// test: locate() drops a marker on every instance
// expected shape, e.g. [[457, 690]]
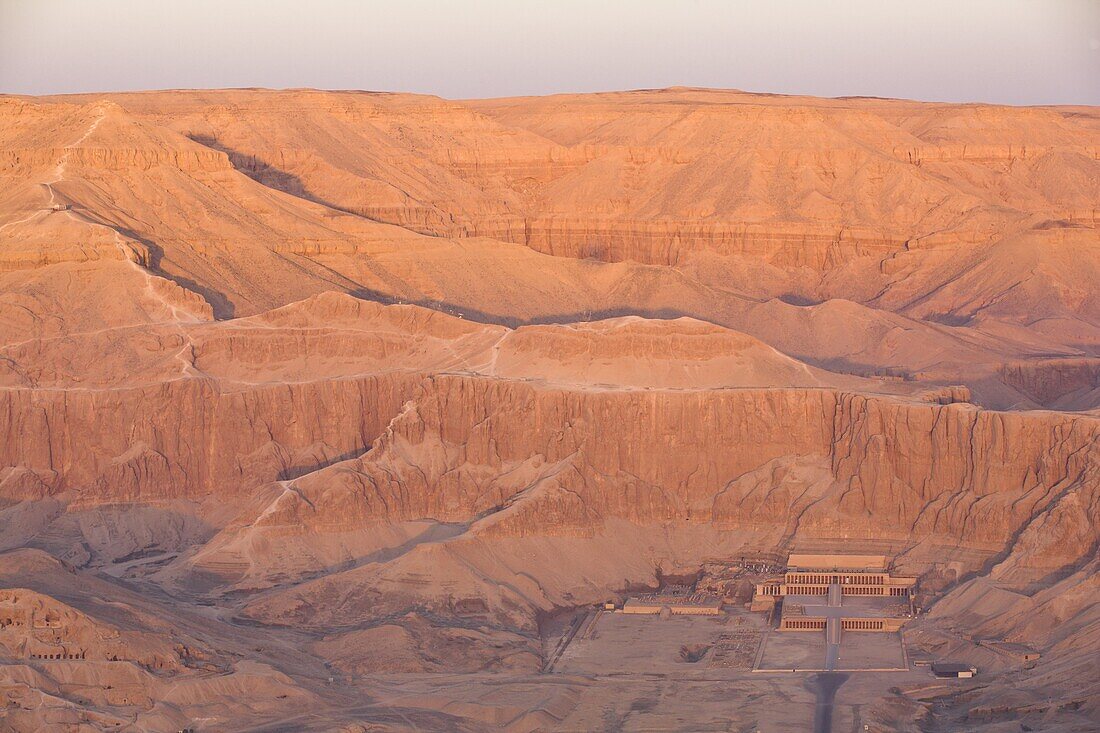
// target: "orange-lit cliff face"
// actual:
[[307, 355]]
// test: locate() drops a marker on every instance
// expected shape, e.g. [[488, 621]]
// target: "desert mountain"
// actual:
[[302, 390]]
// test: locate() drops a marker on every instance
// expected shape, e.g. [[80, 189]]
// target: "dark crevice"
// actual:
[[270, 176], [480, 316], [293, 472], [220, 304]]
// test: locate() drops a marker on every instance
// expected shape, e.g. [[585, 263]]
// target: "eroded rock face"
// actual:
[[549, 460], [1058, 383], [953, 473], [189, 437]]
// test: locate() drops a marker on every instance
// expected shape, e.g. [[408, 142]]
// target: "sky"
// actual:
[[1003, 51]]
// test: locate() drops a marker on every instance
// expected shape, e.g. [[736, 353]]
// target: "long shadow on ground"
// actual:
[[825, 685]]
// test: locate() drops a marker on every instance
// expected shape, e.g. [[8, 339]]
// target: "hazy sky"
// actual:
[[1011, 51]]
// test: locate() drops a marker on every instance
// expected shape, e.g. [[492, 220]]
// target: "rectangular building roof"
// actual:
[[951, 668]]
